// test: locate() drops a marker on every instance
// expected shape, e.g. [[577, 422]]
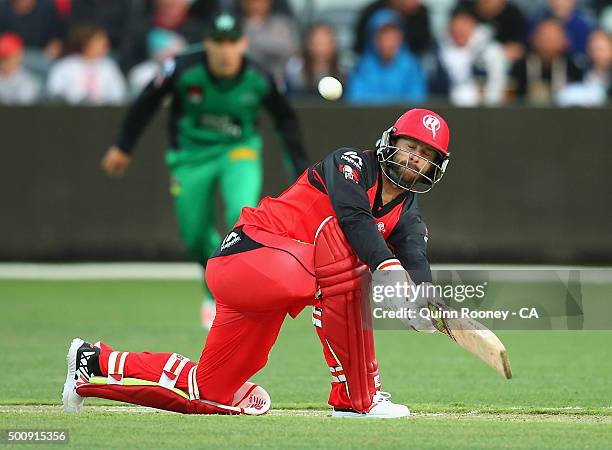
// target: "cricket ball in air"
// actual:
[[330, 88]]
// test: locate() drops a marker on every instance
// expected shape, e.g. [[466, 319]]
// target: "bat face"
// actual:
[[475, 338]]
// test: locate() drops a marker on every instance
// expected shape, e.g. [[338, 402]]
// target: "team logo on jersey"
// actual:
[[349, 173], [230, 240], [353, 158], [432, 123], [195, 93], [381, 227]]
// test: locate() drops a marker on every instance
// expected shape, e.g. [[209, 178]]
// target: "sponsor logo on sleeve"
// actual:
[[349, 173], [353, 158]]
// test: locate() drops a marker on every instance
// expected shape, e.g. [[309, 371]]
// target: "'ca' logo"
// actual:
[[432, 123]]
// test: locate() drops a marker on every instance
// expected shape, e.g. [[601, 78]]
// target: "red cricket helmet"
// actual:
[[423, 125]]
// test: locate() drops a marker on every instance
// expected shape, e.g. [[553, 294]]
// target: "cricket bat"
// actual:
[[475, 338]]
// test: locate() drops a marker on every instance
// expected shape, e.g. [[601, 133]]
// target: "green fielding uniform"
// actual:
[[214, 141]]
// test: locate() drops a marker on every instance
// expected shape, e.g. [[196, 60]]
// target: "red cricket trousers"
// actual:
[[254, 291], [255, 285]]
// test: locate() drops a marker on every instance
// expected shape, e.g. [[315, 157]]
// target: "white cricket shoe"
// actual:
[[73, 402], [82, 362], [208, 312], [382, 408]]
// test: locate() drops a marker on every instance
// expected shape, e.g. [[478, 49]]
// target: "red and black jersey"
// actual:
[[347, 184]]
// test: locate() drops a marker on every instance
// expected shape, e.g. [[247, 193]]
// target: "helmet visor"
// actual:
[[411, 171]]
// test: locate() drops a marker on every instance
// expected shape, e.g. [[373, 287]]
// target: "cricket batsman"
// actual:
[[350, 214], [216, 95]]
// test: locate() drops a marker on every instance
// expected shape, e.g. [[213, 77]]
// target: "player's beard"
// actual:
[[406, 175]]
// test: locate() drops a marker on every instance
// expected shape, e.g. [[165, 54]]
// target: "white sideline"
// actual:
[[191, 271], [101, 271]]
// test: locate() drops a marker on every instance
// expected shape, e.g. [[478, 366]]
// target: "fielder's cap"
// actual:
[[225, 25], [10, 45]]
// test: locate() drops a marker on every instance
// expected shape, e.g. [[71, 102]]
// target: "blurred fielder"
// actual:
[[216, 94], [316, 244]]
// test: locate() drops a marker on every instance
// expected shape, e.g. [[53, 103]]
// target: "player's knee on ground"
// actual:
[[169, 382]]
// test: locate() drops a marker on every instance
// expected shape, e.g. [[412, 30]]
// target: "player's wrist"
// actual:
[[124, 145], [121, 149], [390, 264]]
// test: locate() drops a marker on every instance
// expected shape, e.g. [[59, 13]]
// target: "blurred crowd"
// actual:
[[466, 52]]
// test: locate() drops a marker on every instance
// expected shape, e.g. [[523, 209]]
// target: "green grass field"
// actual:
[[560, 397]]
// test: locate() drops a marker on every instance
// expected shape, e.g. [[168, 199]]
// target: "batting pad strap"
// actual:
[[116, 365], [172, 370], [337, 374], [316, 316], [192, 384]]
